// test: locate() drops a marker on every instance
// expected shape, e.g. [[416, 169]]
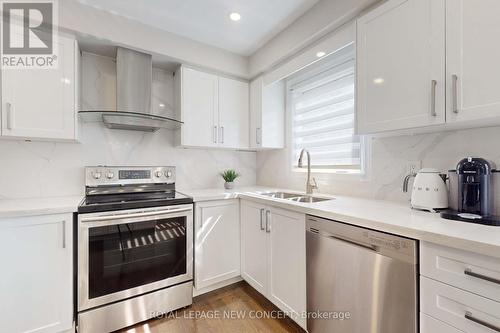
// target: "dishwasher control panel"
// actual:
[[367, 238]]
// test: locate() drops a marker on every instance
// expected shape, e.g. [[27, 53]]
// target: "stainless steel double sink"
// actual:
[[295, 197]]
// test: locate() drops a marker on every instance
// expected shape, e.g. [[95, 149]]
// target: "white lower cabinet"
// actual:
[[432, 325], [465, 270], [273, 256], [467, 312], [36, 283], [254, 244], [459, 291], [217, 242]]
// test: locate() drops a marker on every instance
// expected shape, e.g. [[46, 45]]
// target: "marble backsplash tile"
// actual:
[[387, 164], [42, 169]]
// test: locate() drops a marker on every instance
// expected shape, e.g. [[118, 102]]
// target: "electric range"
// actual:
[[135, 247]]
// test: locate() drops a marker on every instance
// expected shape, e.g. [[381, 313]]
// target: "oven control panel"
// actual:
[[108, 175]]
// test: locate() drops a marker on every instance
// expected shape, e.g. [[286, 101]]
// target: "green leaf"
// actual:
[[229, 175]]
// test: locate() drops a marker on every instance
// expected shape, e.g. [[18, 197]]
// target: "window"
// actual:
[[322, 115]]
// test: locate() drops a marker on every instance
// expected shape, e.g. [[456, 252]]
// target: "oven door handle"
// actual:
[[134, 215]]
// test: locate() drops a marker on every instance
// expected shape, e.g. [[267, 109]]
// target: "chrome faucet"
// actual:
[[311, 183]]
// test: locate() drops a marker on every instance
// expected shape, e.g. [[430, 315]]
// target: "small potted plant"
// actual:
[[229, 176]]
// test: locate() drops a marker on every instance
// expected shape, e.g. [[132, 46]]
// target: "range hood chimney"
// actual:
[[134, 77]]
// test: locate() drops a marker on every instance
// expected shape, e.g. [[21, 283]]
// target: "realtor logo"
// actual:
[[28, 34]]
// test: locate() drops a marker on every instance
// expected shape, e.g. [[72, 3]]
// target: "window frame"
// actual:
[[306, 74]]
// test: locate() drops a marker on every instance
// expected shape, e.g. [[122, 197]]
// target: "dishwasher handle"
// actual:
[[366, 246]]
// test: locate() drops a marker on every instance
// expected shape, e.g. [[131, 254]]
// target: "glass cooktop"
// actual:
[[120, 201]]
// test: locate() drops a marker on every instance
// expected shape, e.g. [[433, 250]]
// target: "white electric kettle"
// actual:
[[429, 190]]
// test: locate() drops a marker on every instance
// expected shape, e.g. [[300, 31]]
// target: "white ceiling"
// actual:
[[207, 21]]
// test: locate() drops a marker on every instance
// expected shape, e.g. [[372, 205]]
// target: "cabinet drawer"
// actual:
[[429, 324], [469, 271], [465, 311]]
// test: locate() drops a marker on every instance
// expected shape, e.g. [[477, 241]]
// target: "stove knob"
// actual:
[[97, 175], [158, 174], [110, 175], [168, 173]]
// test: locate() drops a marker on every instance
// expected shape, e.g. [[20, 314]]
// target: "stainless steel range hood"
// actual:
[[134, 77]]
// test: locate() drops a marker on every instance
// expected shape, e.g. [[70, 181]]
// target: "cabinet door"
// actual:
[[287, 262], [432, 325], [233, 113], [468, 312], [217, 242], [472, 30], [253, 245], [199, 108], [41, 103], [267, 115], [36, 283], [401, 66], [256, 113]]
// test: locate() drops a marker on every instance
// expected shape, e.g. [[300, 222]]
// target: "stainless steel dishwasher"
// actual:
[[359, 280]]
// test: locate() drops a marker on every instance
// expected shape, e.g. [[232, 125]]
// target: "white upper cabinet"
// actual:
[[197, 100], [472, 55], [215, 110], [401, 66], [42, 103], [233, 113], [267, 115]]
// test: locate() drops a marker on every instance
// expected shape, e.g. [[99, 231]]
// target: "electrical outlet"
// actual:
[[412, 167]]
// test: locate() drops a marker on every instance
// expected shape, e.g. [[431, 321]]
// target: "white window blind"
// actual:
[[323, 116]]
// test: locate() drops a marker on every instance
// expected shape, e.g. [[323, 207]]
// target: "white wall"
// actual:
[[112, 29], [389, 157], [322, 18], [42, 169]]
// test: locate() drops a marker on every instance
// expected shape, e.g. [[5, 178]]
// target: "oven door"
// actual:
[[131, 252]]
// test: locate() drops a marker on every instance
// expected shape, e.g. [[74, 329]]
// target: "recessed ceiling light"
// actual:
[[235, 16], [378, 80], [320, 54]]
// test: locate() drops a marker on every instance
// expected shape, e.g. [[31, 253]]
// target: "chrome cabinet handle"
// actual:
[[433, 98], [64, 234], [10, 116], [469, 272], [469, 316], [215, 134], [262, 219], [268, 221], [258, 133], [454, 98], [222, 134]]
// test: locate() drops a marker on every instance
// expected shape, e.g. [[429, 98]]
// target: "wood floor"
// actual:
[[239, 300]]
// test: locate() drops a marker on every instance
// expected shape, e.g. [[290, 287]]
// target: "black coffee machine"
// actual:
[[475, 197]]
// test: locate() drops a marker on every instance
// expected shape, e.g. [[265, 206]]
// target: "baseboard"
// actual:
[[222, 284]]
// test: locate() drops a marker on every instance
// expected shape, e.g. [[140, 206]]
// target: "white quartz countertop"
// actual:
[[38, 206], [391, 217], [221, 194]]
